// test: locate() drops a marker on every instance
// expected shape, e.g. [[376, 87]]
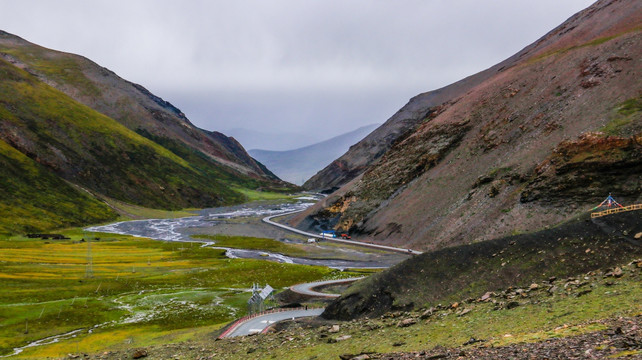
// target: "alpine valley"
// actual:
[[499, 217], [74, 135]]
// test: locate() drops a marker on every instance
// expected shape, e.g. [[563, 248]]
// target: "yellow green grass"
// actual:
[[178, 290], [625, 114], [256, 195], [540, 317], [130, 211], [130, 165]]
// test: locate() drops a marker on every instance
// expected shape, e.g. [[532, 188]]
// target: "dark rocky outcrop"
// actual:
[[578, 170], [447, 275]]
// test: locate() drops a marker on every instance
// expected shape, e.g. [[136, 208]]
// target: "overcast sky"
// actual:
[[321, 67]]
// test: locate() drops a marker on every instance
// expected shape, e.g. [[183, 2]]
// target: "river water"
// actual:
[[180, 229]]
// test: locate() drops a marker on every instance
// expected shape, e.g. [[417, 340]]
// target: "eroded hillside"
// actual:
[[535, 144]]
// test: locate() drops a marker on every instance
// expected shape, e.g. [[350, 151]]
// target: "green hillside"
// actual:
[[87, 148], [33, 199], [129, 104]]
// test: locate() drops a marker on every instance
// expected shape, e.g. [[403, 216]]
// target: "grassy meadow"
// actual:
[[136, 292], [557, 309]]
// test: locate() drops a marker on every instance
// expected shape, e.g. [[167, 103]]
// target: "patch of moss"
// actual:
[[625, 119]]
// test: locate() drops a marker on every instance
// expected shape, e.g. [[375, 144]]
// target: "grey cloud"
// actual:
[[288, 64]]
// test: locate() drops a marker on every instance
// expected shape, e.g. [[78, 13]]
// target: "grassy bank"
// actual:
[[553, 309], [137, 291], [565, 307]]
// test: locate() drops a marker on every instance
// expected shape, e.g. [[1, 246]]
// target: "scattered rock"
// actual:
[[534, 286], [428, 313], [362, 356], [465, 311], [454, 305], [617, 272], [334, 329], [583, 292], [512, 305], [140, 353], [344, 337], [486, 296], [638, 235], [398, 343], [406, 322], [472, 341]]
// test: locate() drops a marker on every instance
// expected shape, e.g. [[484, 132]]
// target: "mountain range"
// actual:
[[531, 142], [275, 141], [298, 165], [73, 134]]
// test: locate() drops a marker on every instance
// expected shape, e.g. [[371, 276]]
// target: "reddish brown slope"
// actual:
[[469, 171], [603, 19]]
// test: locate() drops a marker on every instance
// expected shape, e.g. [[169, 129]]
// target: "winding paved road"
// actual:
[[268, 220], [307, 288], [260, 323]]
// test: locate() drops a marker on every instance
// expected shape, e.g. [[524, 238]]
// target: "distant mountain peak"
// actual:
[[299, 164]]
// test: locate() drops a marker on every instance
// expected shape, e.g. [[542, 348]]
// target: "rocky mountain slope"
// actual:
[[298, 165], [71, 119], [528, 144]]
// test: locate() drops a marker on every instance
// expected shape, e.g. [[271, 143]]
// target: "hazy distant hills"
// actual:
[[298, 165], [276, 141], [529, 143], [72, 132]]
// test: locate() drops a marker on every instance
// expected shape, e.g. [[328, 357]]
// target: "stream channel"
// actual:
[[247, 217], [207, 221]]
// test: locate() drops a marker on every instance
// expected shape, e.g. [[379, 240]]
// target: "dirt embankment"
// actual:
[[471, 270]]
